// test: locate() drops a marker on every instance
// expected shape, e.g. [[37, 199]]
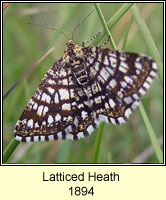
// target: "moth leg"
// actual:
[[83, 43]]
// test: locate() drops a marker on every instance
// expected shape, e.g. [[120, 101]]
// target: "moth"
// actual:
[[86, 86]]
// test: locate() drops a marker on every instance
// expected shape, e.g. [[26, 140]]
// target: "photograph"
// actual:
[[82, 83]]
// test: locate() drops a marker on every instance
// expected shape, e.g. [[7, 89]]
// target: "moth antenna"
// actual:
[[81, 23], [52, 28]]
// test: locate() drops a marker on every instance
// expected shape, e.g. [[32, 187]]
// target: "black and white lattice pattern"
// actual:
[[86, 86]]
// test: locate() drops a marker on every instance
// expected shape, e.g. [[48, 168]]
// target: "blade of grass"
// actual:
[[10, 149], [29, 70], [97, 144], [148, 40], [111, 22], [104, 24], [98, 140], [152, 135], [126, 34]]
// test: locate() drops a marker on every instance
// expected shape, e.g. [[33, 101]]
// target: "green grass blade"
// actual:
[[148, 40], [104, 24], [98, 140], [126, 34], [97, 144], [111, 22], [10, 149], [151, 133]]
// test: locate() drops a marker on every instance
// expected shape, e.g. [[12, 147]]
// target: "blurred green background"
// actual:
[[24, 44]]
